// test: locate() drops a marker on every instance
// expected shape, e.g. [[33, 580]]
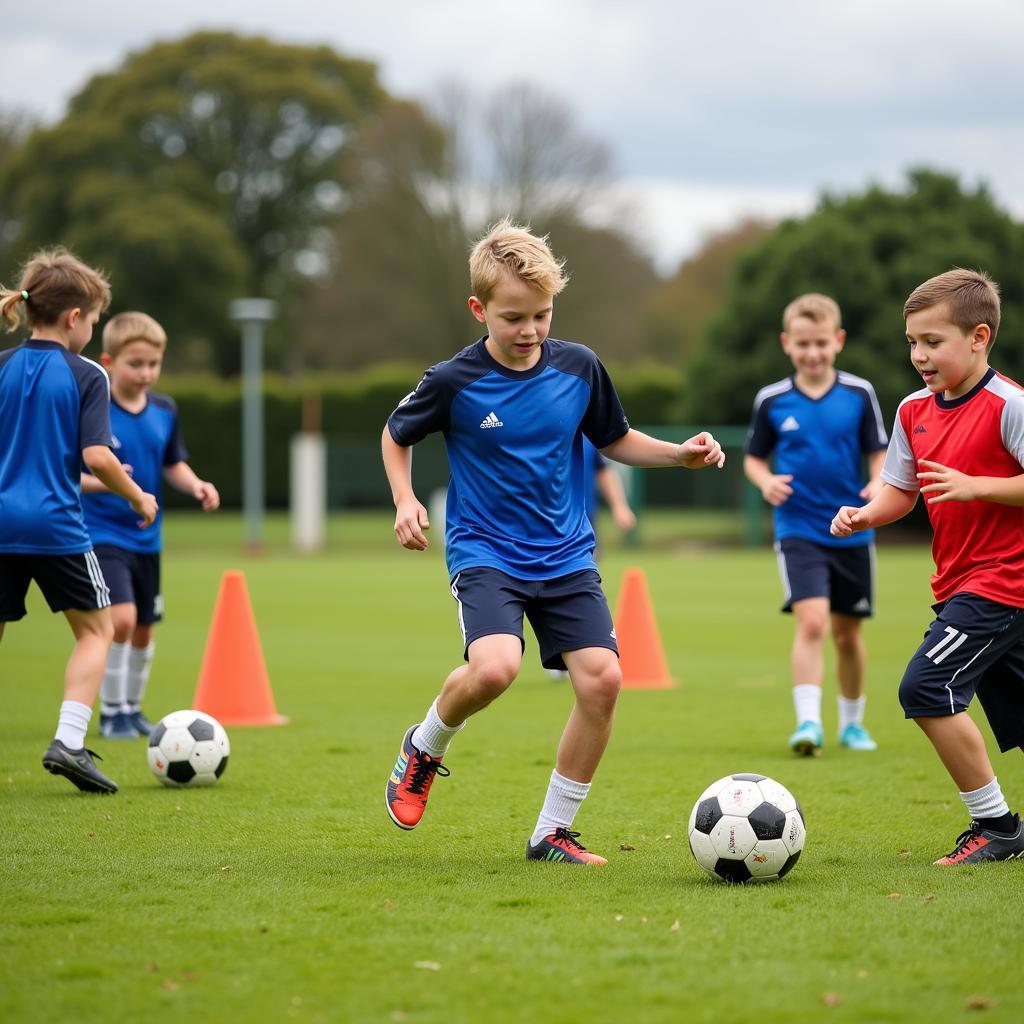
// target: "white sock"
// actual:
[[140, 659], [986, 802], [73, 724], [560, 805], [432, 736], [115, 677], [807, 701], [851, 711]]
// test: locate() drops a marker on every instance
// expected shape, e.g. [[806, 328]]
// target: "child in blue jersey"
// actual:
[[55, 415], [147, 438], [514, 408], [820, 423]]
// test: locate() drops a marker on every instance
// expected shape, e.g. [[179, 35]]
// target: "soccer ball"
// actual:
[[188, 748], [746, 828]]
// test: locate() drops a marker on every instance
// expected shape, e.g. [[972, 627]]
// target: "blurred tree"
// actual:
[[868, 251], [232, 143], [681, 308], [15, 126], [421, 186]]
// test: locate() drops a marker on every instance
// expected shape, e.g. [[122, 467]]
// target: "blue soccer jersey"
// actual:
[[822, 442], [52, 405], [517, 496], [147, 441]]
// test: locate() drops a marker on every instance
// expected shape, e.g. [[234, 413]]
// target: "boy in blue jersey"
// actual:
[[147, 438], [54, 415], [820, 423], [514, 408]]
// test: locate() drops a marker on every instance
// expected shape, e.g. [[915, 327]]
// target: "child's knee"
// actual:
[[494, 675], [601, 682]]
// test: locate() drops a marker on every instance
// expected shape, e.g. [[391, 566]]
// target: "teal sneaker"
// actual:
[[856, 737], [807, 740]]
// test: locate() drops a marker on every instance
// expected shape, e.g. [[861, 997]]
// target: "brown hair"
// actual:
[[816, 307], [510, 249], [52, 282], [125, 328], [971, 296]]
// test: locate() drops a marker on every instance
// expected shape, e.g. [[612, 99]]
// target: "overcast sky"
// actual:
[[713, 111]]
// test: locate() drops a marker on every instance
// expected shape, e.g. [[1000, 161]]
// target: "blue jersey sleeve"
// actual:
[[425, 410], [873, 437], [761, 437], [94, 415], [605, 420], [175, 451]]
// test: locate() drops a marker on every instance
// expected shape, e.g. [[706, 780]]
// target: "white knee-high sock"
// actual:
[[433, 736], [140, 660], [807, 702], [115, 679], [73, 724], [986, 802], [561, 803]]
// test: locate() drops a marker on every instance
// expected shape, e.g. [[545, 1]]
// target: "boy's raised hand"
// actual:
[[701, 450], [410, 521]]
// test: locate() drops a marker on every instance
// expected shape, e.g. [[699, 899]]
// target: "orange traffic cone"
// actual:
[[641, 657], [233, 683]]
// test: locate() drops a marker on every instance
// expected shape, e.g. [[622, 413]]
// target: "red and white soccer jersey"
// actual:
[[978, 546]]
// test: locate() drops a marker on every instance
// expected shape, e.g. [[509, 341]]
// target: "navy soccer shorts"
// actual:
[[846, 576], [67, 582], [133, 578], [568, 613], [974, 646]]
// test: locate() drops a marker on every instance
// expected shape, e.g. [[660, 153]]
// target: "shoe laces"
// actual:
[[966, 839], [563, 835], [424, 768]]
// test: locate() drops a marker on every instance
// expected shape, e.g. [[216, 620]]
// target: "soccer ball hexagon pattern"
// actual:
[[188, 748], [746, 828]]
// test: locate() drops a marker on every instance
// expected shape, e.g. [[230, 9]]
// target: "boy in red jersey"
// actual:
[[960, 442]]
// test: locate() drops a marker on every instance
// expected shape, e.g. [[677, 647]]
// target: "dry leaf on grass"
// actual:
[[831, 999], [427, 965]]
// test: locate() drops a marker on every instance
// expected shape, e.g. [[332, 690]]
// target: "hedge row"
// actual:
[[351, 410]]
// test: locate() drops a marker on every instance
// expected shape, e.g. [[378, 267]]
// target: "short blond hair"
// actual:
[[125, 328], [52, 282], [510, 249], [815, 306], [971, 296]]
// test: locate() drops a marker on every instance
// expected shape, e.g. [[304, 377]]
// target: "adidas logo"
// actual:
[[920, 430], [489, 421], [789, 423], [863, 605]]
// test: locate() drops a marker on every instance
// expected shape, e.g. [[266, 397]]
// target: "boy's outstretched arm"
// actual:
[[106, 466], [182, 478], [635, 448], [941, 483], [890, 504], [410, 516], [609, 483], [774, 487]]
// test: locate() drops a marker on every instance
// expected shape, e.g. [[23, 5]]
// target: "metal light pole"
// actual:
[[252, 315]]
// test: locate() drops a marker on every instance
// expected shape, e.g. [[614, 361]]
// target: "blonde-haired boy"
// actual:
[[515, 408], [960, 442], [147, 437], [816, 426]]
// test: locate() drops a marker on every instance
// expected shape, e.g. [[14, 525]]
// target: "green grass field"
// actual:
[[285, 893]]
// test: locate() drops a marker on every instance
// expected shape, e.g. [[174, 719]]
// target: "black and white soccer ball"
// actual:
[[746, 828], [188, 748]]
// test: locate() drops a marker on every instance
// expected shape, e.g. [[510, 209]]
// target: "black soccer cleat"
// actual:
[[77, 765], [976, 845]]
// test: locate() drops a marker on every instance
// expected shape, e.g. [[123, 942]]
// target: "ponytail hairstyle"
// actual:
[[52, 282]]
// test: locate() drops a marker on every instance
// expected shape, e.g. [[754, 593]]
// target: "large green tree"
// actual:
[[868, 251], [421, 185], [201, 169]]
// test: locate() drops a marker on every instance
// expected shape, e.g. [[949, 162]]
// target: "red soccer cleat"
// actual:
[[977, 844], [561, 846], [410, 781]]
